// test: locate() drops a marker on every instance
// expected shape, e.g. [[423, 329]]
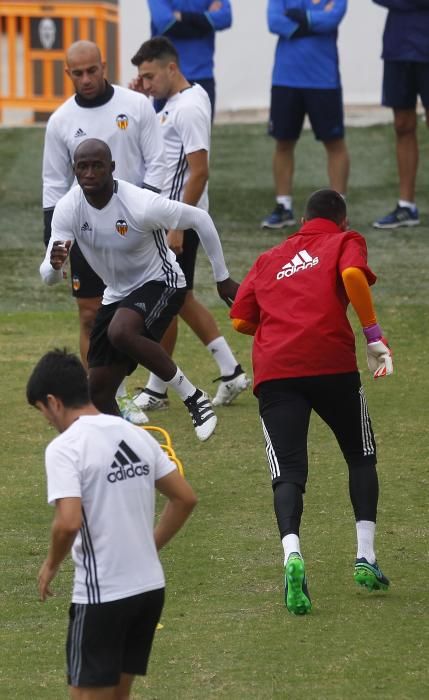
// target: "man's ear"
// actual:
[[344, 226], [302, 221], [113, 166]]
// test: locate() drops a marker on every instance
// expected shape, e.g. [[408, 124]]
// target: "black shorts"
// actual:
[[403, 81], [155, 302], [188, 258], [289, 106], [86, 284], [285, 406], [107, 639]]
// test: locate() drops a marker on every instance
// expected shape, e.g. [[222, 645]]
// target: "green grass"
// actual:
[[227, 634]]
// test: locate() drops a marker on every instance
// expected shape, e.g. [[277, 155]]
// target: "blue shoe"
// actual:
[[279, 218], [401, 216], [370, 576], [297, 598]]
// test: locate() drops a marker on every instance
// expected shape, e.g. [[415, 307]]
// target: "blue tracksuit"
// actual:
[[308, 61], [194, 36], [406, 34]]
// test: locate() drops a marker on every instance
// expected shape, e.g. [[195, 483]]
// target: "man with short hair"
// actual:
[[191, 25], [120, 229], [102, 474], [186, 126], [305, 80], [406, 76], [294, 301], [127, 122]]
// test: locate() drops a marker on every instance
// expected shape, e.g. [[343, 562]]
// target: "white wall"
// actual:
[[244, 53]]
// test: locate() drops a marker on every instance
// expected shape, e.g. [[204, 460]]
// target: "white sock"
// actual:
[[122, 390], [290, 544], [284, 199], [154, 383], [222, 354], [182, 385], [365, 531], [409, 205]]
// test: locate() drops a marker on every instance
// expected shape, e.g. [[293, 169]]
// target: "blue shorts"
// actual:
[[289, 106], [403, 81]]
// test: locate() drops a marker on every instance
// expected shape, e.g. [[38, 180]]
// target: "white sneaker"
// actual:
[[202, 414], [231, 387], [150, 400], [131, 412]]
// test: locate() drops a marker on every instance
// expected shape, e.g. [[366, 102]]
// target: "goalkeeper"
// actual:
[[294, 301]]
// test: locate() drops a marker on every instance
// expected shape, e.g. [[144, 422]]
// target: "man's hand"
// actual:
[[227, 290], [175, 240], [379, 358], [215, 6], [46, 574], [177, 16], [59, 253]]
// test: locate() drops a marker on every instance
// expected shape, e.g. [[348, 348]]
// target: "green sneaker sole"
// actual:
[[366, 578], [296, 600]]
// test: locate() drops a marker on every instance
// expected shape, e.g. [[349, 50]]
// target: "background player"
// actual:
[[294, 299], [120, 229], [185, 125], [101, 477], [127, 122]]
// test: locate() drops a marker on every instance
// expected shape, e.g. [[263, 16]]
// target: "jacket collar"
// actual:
[[318, 226]]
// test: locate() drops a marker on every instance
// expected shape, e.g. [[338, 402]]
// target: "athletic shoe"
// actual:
[[230, 387], [401, 216], [297, 598], [131, 412], [150, 400], [370, 576], [279, 218], [202, 414]]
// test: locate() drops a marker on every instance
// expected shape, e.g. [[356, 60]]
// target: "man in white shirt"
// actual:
[[127, 122], [120, 229], [186, 127], [102, 474]]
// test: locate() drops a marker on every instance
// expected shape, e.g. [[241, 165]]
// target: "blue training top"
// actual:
[[194, 35], [310, 59], [406, 34]]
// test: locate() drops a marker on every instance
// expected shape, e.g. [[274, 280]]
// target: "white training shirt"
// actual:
[[127, 123], [112, 467], [125, 242], [186, 128]]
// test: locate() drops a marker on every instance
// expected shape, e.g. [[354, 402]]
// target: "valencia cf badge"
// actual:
[[121, 226], [76, 283], [122, 121]]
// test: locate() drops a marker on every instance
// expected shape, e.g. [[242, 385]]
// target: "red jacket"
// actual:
[[295, 294]]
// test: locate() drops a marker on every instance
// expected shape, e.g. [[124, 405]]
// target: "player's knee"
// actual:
[[405, 126], [118, 336]]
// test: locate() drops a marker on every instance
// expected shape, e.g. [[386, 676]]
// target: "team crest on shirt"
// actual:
[[122, 227], [164, 116], [122, 121]]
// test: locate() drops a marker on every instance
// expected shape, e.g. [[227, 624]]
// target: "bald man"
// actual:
[[126, 121], [121, 231]]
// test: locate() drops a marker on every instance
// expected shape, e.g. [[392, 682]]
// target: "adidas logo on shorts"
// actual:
[[301, 261]]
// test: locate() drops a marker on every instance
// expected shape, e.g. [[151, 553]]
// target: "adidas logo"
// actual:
[[79, 133], [86, 228], [301, 261], [126, 465], [140, 305]]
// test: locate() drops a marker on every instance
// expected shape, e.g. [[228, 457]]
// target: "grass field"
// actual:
[[226, 632]]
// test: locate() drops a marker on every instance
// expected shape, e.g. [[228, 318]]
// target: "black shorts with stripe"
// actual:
[[154, 301], [107, 639], [86, 284], [285, 407]]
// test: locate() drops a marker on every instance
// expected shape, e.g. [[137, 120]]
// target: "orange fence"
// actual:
[[33, 39]]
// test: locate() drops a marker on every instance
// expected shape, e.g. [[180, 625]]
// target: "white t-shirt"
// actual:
[[127, 123], [125, 242], [112, 467], [186, 127]]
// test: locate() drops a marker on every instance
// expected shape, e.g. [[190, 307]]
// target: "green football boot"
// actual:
[[370, 576], [297, 599]]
